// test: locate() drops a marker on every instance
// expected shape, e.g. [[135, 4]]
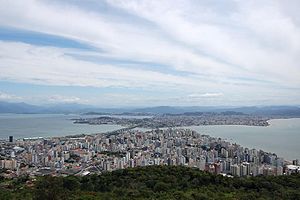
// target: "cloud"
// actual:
[[52, 66], [65, 99], [244, 49], [9, 97], [245, 42], [206, 95], [248, 41]]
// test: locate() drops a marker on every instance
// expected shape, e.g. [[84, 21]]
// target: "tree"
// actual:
[[50, 188], [71, 183]]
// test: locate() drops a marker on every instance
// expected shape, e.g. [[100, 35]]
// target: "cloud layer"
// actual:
[[237, 52], [8, 97]]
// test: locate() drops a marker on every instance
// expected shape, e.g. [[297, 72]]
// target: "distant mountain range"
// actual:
[[253, 110], [6, 107], [284, 111], [24, 108]]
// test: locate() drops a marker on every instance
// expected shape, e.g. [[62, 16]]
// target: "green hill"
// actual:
[[154, 182]]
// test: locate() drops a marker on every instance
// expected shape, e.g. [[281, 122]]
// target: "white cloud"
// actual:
[[247, 38], [49, 65], [244, 49], [9, 97], [65, 99], [185, 39], [206, 95]]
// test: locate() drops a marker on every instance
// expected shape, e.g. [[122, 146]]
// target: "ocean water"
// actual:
[[46, 125], [281, 137]]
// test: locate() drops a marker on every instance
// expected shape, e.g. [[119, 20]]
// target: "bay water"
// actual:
[[281, 137]]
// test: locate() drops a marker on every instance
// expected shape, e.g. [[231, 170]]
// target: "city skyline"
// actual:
[[148, 53]]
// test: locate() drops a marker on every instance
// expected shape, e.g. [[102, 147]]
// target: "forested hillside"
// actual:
[[154, 182]]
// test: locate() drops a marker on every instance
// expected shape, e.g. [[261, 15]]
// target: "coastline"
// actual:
[[277, 137]]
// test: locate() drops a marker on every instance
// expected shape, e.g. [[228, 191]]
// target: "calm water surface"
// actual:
[[281, 137], [45, 125]]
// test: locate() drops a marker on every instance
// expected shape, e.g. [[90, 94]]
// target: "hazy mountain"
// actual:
[[285, 111], [275, 110], [6, 107], [67, 108], [160, 110], [265, 111]]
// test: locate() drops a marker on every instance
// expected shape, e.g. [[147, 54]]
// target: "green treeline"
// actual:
[[153, 182]]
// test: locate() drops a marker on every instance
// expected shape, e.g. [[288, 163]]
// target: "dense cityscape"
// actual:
[[93, 154], [179, 120]]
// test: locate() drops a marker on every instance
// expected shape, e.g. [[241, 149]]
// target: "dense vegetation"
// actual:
[[155, 182]]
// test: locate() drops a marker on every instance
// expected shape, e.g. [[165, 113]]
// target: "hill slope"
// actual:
[[156, 182]]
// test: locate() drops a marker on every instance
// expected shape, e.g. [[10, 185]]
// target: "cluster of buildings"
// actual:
[[180, 120], [131, 148]]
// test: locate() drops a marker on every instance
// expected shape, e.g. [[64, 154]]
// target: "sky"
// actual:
[[115, 53]]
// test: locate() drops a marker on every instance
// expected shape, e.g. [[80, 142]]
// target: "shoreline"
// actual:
[[208, 125], [280, 124], [81, 136]]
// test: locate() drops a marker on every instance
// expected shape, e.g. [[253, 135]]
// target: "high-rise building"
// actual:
[[235, 170], [296, 162], [8, 164], [279, 171], [11, 138], [248, 168], [243, 170]]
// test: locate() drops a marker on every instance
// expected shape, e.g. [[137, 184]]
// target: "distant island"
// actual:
[[167, 116], [160, 116]]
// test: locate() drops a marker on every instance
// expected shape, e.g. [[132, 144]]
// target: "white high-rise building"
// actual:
[[235, 170]]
